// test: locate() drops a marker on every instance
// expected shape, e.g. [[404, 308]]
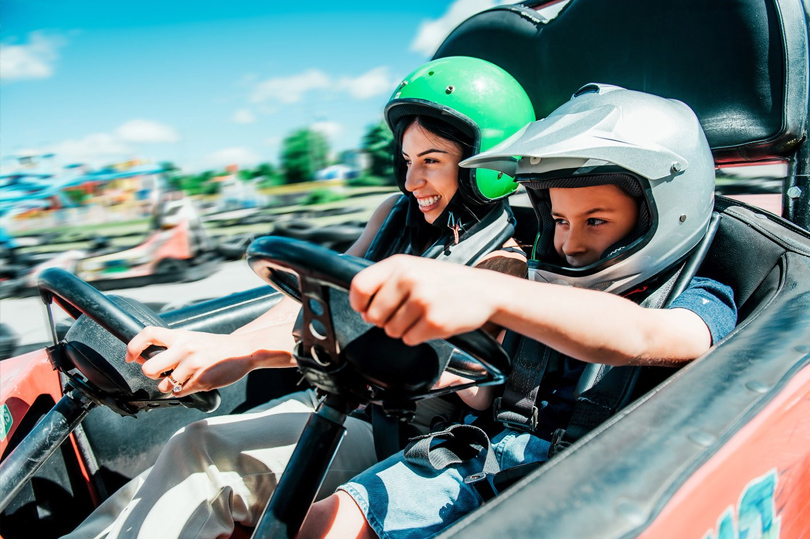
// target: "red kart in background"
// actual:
[[176, 248], [717, 450]]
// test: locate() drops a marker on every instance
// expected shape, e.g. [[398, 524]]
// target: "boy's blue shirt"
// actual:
[[712, 301]]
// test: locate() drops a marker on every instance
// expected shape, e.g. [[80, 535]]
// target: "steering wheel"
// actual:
[[339, 352], [94, 362]]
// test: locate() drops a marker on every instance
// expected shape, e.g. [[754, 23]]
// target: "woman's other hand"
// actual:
[[198, 361]]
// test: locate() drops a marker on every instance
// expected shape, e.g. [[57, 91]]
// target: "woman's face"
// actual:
[[432, 174]]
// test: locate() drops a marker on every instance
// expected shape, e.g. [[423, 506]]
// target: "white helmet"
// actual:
[[653, 148]]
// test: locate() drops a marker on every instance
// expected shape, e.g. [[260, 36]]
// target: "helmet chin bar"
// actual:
[[539, 274]]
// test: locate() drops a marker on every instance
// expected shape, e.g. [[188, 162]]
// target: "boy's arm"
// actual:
[[419, 299], [601, 328]]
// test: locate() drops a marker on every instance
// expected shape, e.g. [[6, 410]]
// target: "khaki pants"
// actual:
[[218, 471]]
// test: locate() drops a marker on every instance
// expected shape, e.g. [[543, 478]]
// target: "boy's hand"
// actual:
[[418, 299]]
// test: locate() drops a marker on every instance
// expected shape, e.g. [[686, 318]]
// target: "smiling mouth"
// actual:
[[428, 202]]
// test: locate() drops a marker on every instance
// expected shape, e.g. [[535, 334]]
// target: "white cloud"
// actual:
[[96, 149], [431, 33], [332, 130], [370, 84], [266, 109], [141, 130], [289, 89], [235, 155], [243, 116], [34, 60], [104, 148]]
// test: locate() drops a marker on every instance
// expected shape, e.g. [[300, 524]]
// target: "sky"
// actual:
[[204, 84]]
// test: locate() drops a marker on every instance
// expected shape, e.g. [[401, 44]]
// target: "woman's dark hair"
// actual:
[[436, 127]]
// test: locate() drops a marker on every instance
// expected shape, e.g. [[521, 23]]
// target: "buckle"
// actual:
[[559, 442], [483, 485], [515, 420]]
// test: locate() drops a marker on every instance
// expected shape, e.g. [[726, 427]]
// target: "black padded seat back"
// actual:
[[742, 259], [526, 226], [748, 254], [727, 59]]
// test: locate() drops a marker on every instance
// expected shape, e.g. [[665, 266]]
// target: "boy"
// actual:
[[622, 183]]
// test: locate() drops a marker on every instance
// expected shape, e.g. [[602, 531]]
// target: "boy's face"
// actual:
[[588, 220]]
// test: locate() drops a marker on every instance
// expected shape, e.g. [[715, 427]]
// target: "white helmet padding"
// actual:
[[606, 134]]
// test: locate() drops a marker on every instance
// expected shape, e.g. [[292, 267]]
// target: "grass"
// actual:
[[322, 196], [120, 228]]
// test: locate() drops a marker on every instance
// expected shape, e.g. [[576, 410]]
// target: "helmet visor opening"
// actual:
[[544, 252], [447, 125]]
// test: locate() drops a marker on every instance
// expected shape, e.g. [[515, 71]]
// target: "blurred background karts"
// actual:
[[176, 248]]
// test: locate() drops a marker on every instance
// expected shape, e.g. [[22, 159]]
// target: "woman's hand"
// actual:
[[203, 361], [198, 361], [476, 397]]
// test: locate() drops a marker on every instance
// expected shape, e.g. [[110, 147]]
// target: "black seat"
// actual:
[[749, 253], [728, 60], [742, 65]]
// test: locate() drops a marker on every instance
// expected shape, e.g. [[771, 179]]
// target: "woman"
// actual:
[[216, 472]]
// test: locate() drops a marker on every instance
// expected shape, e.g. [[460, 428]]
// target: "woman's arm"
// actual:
[[362, 244], [203, 361], [509, 260], [476, 397]]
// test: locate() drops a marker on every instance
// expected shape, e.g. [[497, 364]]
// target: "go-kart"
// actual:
[[90, 362], [13, 264], [110, 445], [337, 237], [718, 449], [8, 341], [175, 249]]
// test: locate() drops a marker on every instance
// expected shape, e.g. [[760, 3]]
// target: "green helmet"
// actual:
[[475, 96]]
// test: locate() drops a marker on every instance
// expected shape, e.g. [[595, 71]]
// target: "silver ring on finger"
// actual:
[[177, 387]]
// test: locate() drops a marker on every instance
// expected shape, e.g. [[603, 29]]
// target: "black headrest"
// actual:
[[727, 59]]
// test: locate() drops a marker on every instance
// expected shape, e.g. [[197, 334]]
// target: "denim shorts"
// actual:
[[404, 500]]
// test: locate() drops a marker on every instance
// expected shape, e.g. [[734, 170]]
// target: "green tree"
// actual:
[[171, 172], [267, 174], [246, 174], [378, 143], [266, 170], [200, 184], [303, 153]]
